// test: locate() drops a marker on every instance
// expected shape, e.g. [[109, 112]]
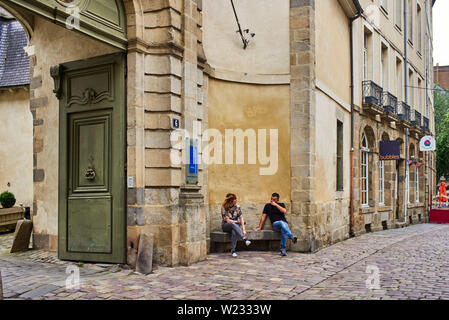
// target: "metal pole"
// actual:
[[1, 286], [238, 24], [406, 101]]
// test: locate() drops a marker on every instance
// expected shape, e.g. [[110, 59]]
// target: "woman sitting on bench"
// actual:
[[233, 222]]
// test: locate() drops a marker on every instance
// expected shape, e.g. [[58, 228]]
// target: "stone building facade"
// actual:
[[187, 68], [441, 75], [394, 62]]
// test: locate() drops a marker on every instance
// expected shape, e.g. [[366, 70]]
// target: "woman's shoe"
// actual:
[[234, 254], [283, 252]]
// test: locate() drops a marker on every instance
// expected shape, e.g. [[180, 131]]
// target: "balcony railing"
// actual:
[[416, 118], [372, 93], [425, 124], [389, 103], [404, 111]]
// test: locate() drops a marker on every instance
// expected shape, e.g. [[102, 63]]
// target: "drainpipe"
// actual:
[[406, 190], [351, 156], [426, 57]]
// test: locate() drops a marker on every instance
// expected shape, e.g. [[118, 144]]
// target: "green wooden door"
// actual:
[[92, 149]]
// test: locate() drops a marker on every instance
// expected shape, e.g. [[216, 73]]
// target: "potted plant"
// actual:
[[9, 215], [7, 199]]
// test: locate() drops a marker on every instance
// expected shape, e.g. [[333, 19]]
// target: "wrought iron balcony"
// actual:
[[372, 93], [404, 111], [425, 124], [416, 118], [390, 103]]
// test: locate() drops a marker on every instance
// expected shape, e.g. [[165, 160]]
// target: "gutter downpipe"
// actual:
[[406, 187], [429, 183], [351, 195]]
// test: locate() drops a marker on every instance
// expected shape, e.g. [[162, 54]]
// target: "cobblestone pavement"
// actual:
[[413, 263]]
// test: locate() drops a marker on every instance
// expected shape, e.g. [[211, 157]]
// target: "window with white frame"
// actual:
[[410, 20], [396, 184], [408, 185], [398, 15], [417, 185], [419, 27], [365, 57], [384, 5], [381, 183], [365, 171]]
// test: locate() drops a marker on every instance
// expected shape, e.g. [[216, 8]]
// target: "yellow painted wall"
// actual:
[[16, 145], [245, 106], [54, 45]]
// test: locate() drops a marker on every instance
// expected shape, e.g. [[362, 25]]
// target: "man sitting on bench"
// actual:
[[276, 212]]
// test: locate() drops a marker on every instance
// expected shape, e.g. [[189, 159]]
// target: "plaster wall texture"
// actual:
[[333, 62], [16, 141], [53, 45], [267, 53], [326, 147], [247, 106]]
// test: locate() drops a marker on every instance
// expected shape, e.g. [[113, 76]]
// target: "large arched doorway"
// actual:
[[165, 89]]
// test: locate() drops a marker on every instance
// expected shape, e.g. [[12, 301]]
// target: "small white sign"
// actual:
[[130, 182], [427, 143]]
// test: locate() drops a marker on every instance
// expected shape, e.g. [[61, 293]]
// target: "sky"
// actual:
[[441, 32]]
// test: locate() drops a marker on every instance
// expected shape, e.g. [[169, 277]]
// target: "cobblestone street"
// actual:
[[413, 263]]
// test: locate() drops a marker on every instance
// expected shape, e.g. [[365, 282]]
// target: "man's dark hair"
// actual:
[[275, 195]]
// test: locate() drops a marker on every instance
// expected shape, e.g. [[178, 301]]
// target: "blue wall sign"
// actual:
[[192, 161]]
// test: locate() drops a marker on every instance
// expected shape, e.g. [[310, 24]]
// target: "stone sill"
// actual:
[[415, 205], [384, 208], [340, 195], [366, 210]]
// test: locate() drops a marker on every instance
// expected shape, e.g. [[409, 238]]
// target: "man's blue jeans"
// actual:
[[282, 226]]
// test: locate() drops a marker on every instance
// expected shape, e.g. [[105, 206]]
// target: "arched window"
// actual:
[[365, 171]]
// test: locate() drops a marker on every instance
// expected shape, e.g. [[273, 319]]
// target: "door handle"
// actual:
[[90, 174]]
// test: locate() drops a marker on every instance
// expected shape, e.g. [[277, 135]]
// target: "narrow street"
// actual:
[[412, 263]]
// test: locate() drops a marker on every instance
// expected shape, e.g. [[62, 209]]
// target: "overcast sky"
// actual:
[[441, 32]]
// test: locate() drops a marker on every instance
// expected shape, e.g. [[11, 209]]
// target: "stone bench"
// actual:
[[261, 240]]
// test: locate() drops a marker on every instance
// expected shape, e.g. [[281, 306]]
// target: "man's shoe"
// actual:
[[234, 254], [247, 242], [283, 252], [294, 239]]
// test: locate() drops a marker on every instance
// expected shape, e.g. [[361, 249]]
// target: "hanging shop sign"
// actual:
[[427, 143], [389, 150]]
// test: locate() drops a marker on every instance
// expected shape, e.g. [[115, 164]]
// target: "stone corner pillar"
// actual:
[[302, 121]]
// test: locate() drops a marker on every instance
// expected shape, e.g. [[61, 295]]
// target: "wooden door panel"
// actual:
[[92, 194], [89, 225], [90, 149]]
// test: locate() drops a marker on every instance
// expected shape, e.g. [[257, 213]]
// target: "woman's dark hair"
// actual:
[[229, 201]]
